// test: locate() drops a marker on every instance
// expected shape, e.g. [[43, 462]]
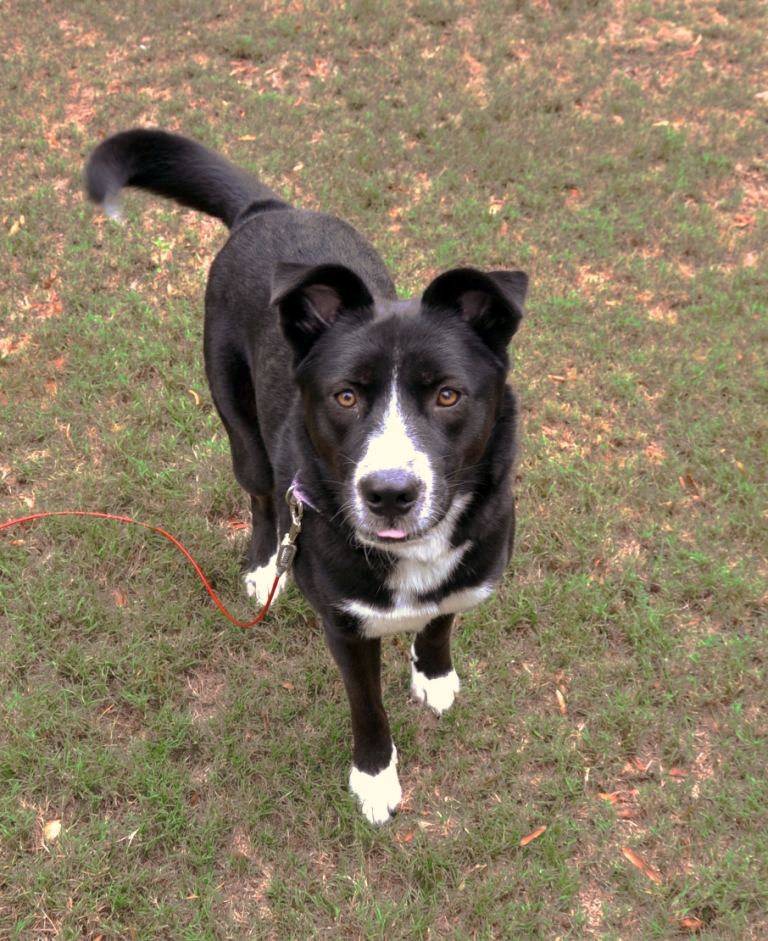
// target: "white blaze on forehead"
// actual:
[[393, 446]]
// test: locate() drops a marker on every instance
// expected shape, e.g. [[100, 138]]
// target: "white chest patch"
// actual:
[[421, 567]]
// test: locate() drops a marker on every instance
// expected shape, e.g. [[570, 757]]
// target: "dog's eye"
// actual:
[[347, 398], [448, 397]]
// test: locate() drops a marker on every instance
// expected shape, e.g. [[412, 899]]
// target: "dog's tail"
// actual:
[[176, 167]]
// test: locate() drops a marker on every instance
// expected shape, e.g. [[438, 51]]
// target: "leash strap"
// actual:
[[156, 529]]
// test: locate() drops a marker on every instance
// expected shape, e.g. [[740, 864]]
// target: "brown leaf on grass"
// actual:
[[641, 864], [742, 221], [620, 797], [532, 836], [560, 702], [690, 924], [119, 597], [678, 772], [688, 483], [51, 830], [633, 766], [236, 524], [629, 813], [289, 686], [10, 345]]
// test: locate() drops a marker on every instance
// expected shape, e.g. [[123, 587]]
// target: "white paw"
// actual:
[[380, 794], [259, 582], [438, 693]]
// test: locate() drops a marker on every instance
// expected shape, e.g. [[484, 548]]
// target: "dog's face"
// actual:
[[400, 397]]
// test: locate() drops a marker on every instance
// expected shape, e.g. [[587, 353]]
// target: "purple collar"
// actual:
[[300, 496]]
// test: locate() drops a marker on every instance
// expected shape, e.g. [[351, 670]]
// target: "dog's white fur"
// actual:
[[438, 693], [258, 583], [393, 446], [379, 794]]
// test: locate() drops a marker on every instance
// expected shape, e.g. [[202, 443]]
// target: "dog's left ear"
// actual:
[[492, 304], [311, 297]]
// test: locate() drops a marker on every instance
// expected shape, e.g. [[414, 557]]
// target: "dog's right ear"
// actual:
[[310, 298]]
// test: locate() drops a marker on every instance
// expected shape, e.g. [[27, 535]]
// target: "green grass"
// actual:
[[616, 151]]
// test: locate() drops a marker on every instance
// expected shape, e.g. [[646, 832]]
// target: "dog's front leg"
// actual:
[[433, 680], [373, 778]]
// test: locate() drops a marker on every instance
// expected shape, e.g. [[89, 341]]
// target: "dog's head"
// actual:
[[401, 397]]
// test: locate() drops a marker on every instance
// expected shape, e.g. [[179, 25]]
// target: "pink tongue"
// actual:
[[392, 534]]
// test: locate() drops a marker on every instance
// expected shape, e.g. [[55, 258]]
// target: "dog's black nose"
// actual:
[[390, 493]]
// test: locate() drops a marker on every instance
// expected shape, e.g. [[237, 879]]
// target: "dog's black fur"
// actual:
[[318, 373]]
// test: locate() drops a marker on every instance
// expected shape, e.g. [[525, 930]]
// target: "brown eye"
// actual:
[[347, 398], [447, 397]]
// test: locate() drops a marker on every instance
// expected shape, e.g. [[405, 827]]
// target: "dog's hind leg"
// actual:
[[235, 399], [262, 552], [434, 682]]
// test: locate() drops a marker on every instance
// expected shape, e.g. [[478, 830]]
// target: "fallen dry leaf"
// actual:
[[119, 597], [690, 924], [678, 772], [620, 797], [532, 836], [633, 765], [641, 864], [51, 830], [560, 702], [629, 813], [289, 686]]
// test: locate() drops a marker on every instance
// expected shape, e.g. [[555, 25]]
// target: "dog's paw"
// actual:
[[259, 582], [438, 693], [379, 794]]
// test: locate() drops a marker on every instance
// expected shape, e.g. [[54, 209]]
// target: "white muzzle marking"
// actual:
[[394, 447]]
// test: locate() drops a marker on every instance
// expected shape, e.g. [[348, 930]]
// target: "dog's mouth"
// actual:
[[391, 537], [395, 534]]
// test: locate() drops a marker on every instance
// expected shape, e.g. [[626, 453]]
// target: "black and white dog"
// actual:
[[392, 420]]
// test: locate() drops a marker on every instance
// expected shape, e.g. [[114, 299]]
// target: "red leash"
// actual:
[[155, 529]]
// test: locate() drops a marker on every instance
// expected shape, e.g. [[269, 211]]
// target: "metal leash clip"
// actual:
[[287, 550]]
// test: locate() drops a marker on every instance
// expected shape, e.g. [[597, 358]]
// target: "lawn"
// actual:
[[164, 774]]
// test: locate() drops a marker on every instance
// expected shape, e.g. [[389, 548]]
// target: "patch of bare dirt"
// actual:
[[207, 689]]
